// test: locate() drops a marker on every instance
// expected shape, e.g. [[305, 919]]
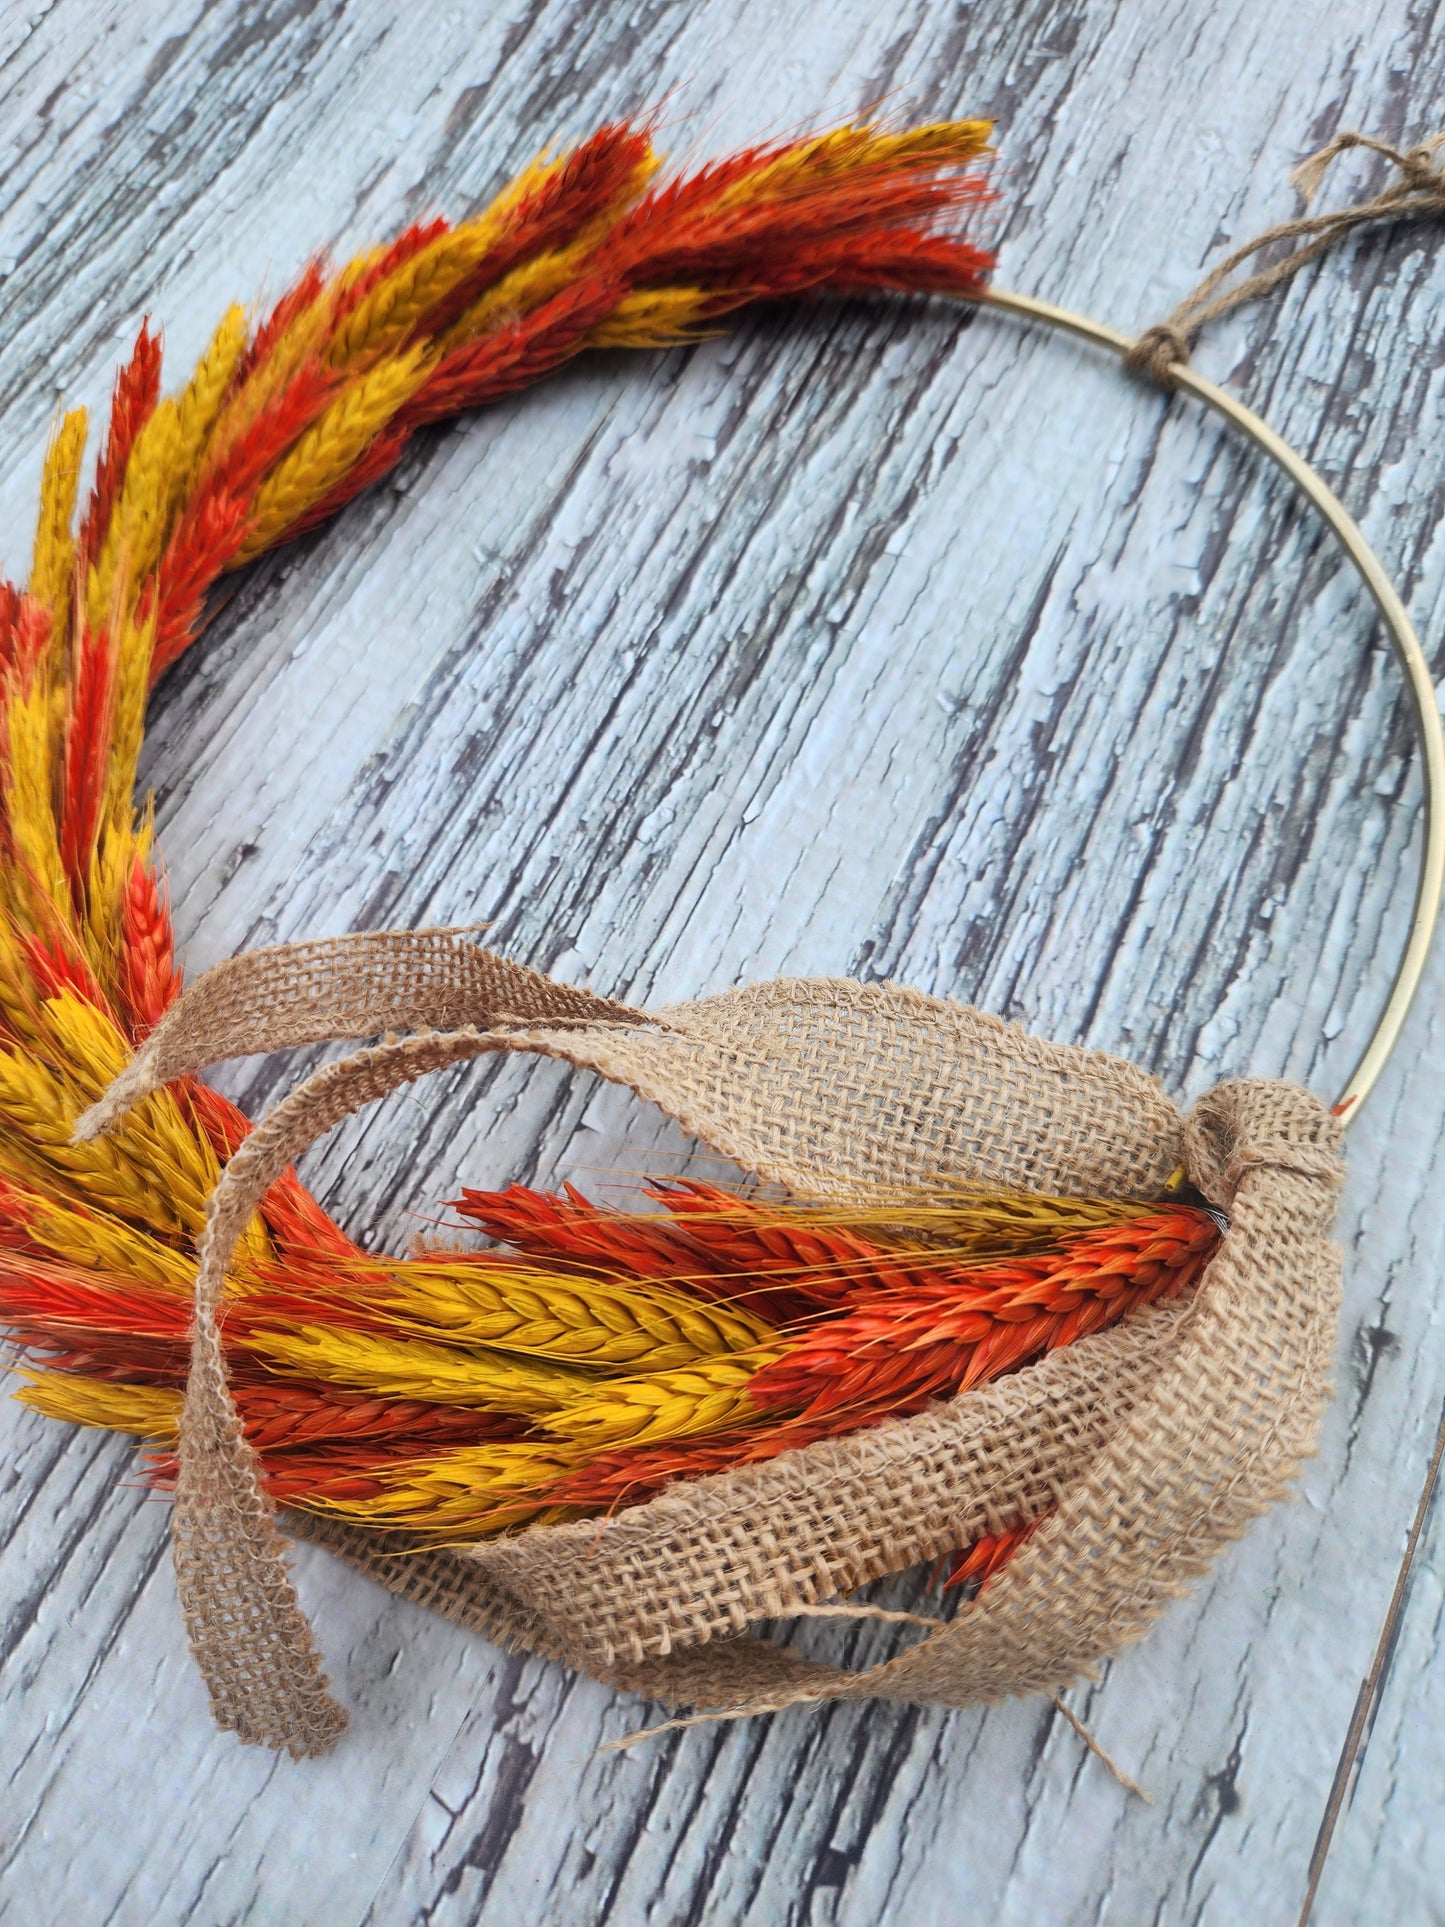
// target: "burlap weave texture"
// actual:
[[1154, 1443]]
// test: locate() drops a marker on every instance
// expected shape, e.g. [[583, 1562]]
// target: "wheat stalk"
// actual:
[[709, 1396], [145, 1411], [325, 453], [522, 1309], [53, 561], [413, 1369]]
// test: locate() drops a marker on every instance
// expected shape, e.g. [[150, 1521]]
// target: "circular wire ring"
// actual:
[[1403, 639]]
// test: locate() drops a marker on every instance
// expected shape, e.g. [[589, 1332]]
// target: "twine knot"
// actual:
[[1421, 171], [1157, 351], [1419, 189]]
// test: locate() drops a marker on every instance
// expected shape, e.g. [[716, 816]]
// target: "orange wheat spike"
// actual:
[[87, 740], [133, 401], [148, 980], [302, 1229], [9, 609], [57, 966], [60, 1313], [262, 443], [207, 538], [287, 1417], [117, 1327], [29, 636], [517, 354], [300, 296], [568, 1230], [689, 1247], [818, 1263], [316, 1441], [987, 1557], [892, 1351], [753, 215]]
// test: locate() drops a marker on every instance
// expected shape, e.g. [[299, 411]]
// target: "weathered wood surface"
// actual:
[[856, 641]]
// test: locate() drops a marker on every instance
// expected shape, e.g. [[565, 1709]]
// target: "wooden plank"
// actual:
[[856, 641]]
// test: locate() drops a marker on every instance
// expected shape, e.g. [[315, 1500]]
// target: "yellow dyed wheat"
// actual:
[[581, 1321], [411, 1368], [147, 1411], [463, 1495], [709, 1396], [329, 449], [30, 719], [54, 556]]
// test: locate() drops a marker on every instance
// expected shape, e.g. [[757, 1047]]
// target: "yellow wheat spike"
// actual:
[[137, 527], [30, 723], [112, 860], [352, 271], [91, 1052], [332, 446], [81, 1042], [842, 149], [205, 394], [147, 1411], [37, 1115], [19, 998], [580, 1321], [463, 1495], [106, 1245], [135, 646], [152, 1171], [517, 294], [653, 318], [384, 318], [709, 1396], [54, 555], [411, 1368]]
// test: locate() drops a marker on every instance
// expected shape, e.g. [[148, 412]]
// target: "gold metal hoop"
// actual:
[[1405, 642]]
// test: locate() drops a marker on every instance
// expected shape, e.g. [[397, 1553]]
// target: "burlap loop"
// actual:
[[312, 993], [1149, 1446]]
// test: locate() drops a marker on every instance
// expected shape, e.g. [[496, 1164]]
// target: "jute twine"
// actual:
[[1155, 1443], [1419, 191]]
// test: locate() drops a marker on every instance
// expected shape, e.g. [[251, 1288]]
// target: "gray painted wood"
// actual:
[[855, 641]]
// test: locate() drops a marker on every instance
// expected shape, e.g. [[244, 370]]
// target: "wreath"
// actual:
[[996, 1305]]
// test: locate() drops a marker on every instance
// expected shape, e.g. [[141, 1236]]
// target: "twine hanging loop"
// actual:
[[1418, 191]]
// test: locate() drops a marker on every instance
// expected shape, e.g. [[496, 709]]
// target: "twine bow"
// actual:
[[1418, 191]]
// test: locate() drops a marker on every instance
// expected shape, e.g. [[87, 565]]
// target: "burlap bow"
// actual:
[[1155, 1443]]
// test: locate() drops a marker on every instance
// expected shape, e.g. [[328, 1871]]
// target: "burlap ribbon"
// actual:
[[1154, 1443]]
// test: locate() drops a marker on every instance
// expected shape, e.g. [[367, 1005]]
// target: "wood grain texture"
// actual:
[[860, 640]]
